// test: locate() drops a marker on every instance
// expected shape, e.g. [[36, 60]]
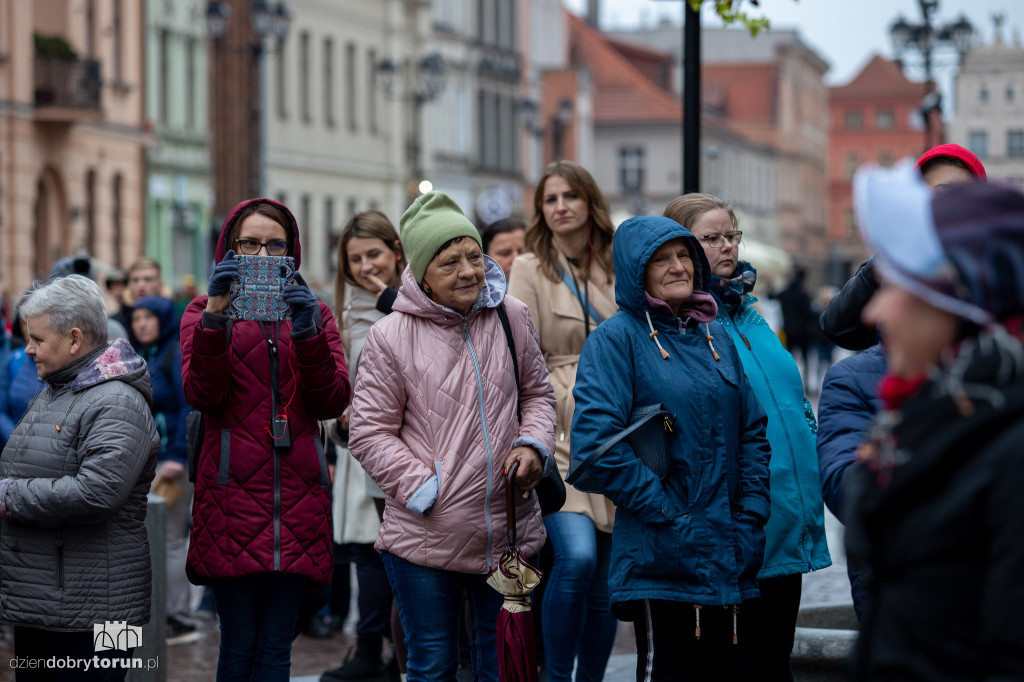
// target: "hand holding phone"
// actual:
[[224, 273], [303, 304]]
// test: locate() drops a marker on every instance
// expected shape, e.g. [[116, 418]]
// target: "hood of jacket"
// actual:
[[163, 308], [635, 242], [414, 301], [118, 362], [225, 229]]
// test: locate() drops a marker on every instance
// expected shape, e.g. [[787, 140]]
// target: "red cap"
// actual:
[[955, 151]]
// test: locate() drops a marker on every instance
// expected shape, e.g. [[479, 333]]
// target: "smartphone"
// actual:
[[256, 292]]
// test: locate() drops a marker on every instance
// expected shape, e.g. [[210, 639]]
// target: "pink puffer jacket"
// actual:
[[435, 412]]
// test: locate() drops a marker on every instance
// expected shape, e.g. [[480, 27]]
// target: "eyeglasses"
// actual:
[[717, 241], [251, 247]]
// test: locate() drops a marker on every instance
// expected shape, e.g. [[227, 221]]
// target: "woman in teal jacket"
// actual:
[[796, 531], [686, 548]]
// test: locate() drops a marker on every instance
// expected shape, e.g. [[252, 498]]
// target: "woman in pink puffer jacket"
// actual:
[[435, 424]]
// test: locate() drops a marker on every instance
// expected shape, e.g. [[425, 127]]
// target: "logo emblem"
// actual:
[[116, 635]]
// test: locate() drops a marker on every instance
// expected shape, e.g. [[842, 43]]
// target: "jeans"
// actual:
[[577, 615], [429, 601], [257, 620]]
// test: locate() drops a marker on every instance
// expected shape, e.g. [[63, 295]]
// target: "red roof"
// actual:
[[879, 78], [622, 92]]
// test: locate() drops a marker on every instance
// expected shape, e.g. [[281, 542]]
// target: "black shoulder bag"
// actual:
[[551, 489]]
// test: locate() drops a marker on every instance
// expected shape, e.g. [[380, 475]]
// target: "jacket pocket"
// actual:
[[225, 456], [670, 551], [325, 478], [439, 472], [729, 372]]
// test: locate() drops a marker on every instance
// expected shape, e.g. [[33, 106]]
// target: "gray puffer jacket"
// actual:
[[73, 482]]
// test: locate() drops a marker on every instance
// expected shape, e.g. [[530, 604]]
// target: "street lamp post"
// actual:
[[269, 20], [428, 84], [925, 37], [530, 113]]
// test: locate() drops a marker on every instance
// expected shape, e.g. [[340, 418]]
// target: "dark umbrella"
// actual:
[[515, 578]]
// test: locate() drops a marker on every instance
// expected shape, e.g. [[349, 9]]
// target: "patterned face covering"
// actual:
[[733, 290]]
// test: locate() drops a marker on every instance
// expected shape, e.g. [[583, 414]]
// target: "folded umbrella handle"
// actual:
[[510, 503]]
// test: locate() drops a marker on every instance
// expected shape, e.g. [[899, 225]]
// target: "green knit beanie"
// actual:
[[431, 221]]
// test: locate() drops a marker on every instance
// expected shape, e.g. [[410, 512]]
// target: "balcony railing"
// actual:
[[68, 84]]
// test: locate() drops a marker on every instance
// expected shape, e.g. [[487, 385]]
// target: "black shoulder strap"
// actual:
[[503, 316]]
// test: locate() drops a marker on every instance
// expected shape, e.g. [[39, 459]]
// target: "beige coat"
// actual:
[[558, 316]]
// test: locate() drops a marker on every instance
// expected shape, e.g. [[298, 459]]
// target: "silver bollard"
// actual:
[[154, 633]]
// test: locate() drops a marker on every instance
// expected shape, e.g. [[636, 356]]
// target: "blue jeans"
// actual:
[[257, 621], [576, 605], [429, 601]]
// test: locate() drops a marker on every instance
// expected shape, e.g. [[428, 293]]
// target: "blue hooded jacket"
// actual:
[[697, 536], [164, 361]]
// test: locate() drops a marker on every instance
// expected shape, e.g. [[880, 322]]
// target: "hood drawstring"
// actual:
[[735, 615], [654, 335], [696, 610], [707, 331]]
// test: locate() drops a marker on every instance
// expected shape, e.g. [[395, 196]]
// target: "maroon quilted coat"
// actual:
[[258, 508]]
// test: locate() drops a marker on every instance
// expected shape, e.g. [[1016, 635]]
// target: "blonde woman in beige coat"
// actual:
[[568, 282]]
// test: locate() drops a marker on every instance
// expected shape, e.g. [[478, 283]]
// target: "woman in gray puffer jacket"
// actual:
[[73, 482]]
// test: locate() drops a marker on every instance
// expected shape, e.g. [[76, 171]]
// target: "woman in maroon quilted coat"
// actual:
[[261, 516]]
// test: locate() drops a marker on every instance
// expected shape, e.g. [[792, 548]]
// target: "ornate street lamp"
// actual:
[[268, 20], [924, 38], [430, 75]]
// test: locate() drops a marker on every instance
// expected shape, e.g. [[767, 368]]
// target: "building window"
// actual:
[[371, 91], [190, 83], [118, 40], [163, 86], [851, 164], [1015, 144], [631, 170], [304, 77], [350, 86], [977, 141], [853, 119], [328, 86], [851, 223], [983, 95], [90, 32], [305, 210], [117, 238], [1009, 94], [90, 210], [883, 119], [280, 78], [351, 208], [332, 235], [885, 159]]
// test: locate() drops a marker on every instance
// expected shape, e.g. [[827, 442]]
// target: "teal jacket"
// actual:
[[796, 529]]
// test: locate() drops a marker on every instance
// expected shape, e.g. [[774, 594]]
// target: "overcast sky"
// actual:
[[845, 32]]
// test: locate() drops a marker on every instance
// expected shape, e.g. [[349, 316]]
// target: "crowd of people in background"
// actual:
[[377, 431]]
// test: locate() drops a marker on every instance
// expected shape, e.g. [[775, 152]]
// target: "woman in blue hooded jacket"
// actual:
[[796, 531], [686, 549], [155, 327]]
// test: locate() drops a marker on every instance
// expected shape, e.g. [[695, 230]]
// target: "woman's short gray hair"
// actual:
[[72, 301]]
